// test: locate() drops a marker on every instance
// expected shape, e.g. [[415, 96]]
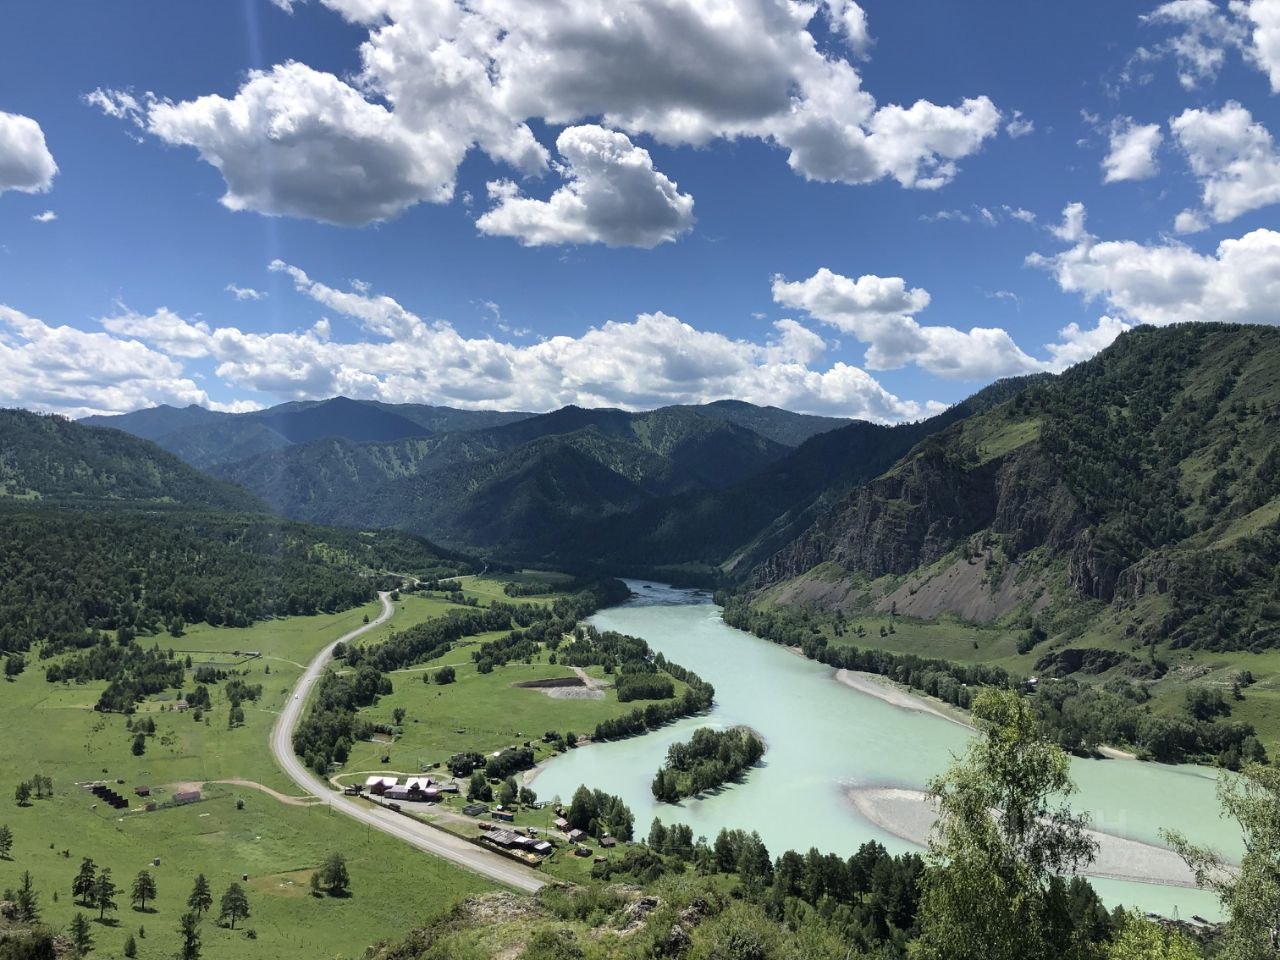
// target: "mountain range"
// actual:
[[523, 485], [1144, 482]]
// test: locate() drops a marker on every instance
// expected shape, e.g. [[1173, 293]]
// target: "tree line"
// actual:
[[63, 579]]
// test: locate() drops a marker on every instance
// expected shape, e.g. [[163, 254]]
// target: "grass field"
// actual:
[[393, 886], [481, 712], [52, 729]]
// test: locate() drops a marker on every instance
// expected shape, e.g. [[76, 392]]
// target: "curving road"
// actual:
[[426, 838]]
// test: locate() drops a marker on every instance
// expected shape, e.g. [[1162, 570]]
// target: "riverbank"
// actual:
[[874, 685], [910, 815], [882, 688]]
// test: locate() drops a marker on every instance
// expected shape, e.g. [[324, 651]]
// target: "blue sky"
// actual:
[[858, 209]]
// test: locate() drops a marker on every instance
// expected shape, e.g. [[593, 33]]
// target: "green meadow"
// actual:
[[52, 729]]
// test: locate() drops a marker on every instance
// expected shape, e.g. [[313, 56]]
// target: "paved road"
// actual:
[[437, 842]]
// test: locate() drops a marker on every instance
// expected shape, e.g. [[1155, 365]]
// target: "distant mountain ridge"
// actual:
[[714, 488], [208, 438], [525, 487]]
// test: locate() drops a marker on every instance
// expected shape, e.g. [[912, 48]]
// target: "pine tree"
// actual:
[[27, 901], [81, 938], [130, 947], [6, 841], [23, 793], [201, 899], [104, 893], [144, 889], [234, 906], [82, 885], [189, 929]]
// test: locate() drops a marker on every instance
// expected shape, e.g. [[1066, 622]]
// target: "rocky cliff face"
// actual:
[[925, 508]]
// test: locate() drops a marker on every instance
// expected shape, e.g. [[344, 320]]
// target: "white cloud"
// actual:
[[117, 104], [245, 293], [1019, 126], [1233, 157], [298, 142], [46, 216], [1019, 214], [138, 360], [880, 311], [70, 371], [1263, 49], [26, 165], [1077, 344], [1171, 283], [1133, 151], [438, 78], [1072, 227], [1189, 221], [1205, 33], [612, 195], [849, 20], [164, 330]]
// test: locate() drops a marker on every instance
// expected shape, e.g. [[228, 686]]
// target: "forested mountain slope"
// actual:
[[1146, 479], [523, 489], [143, 572], [206, 438], [53, 460], [734, 528]]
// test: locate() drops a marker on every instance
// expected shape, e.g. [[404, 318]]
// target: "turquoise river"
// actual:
[[826, 742]]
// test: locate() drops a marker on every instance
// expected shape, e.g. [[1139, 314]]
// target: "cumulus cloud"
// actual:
[[45, 216], [612, 195], [65, 370], [1262, 19], [438, 79], [1168, 282], [1234, 159], [295, 141], [140, 359], [1133, 151], [26, 165], [880, 311], [1078, 344]]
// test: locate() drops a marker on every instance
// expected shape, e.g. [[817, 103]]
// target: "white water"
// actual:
[[824, 737]]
